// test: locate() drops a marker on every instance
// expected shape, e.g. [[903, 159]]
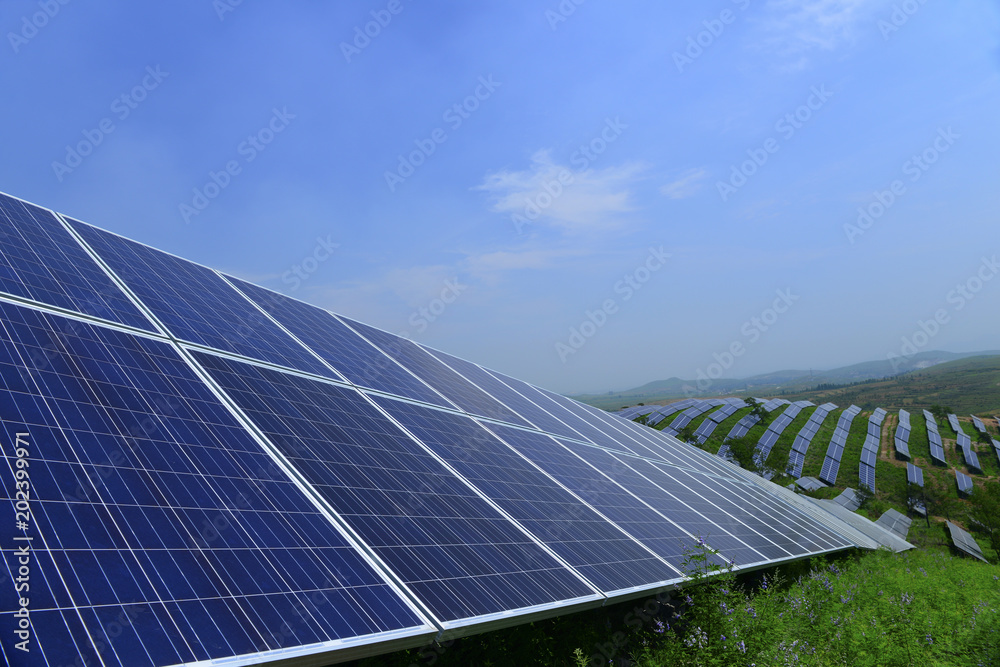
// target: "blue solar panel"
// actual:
[[609, 557], [953, 421], [965, 485], [866, 477], [495, 385], [41, 261], [759, 521], [450, 384], [150, 500], [453, 550], [914, 475], [352, 356], [195, 304]]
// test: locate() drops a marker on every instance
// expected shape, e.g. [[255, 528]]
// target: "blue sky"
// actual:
[[586, 195]]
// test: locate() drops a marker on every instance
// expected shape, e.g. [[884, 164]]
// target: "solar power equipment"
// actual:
[[964, 482], [902, 437], [831, 464], [914, 475], [978, 423], [248, 479], [953, 421], [797, 457], [965, 543]]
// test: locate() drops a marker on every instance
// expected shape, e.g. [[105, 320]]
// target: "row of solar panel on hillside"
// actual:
[[777, 427], [708, 426], [239, 459], [691, 413], [869, 451], [831, 464], [902, 437], [934, 438], [797, 456]]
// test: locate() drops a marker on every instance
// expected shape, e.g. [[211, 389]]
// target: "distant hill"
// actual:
[[799, 383], [967, 386]]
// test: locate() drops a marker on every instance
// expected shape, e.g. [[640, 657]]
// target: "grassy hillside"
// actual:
[[968, 386]]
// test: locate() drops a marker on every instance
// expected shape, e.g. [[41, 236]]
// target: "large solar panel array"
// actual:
[[797, 457], [914, 475], [934, 439], [978, 423], [869, 451], [245, 478], [965, 543], [707, 427], [955, 426], [831, 464], [902, 438], [695, 411], [777, 427]]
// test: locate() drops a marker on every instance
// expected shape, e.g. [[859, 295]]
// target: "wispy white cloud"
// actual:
[[687, 185], [793, 28], [549, 193]]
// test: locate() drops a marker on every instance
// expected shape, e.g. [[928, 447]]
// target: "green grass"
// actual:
[[922, 607]]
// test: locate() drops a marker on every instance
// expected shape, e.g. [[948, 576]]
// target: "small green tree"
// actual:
[[984, 512], [743, 451]]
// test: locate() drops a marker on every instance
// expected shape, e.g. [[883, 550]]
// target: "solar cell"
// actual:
[[149, 499], [42, 261], [914, 475], [197, 305], [896, 522], [965, 543], [450, 547], [350, 355], [446, 381], [953, 421], [965, 486], [978, 423], [569, 507]]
